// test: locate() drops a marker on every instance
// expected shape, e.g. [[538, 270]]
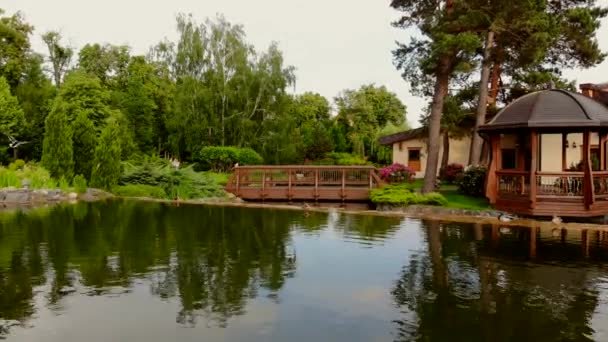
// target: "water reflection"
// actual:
[[492, 283], [213, 259], [264, 275]]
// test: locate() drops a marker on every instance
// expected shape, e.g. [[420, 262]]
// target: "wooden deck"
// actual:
[[305, 183]]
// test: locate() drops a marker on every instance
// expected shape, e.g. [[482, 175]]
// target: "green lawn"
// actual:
[[456, 199], [220, 178]]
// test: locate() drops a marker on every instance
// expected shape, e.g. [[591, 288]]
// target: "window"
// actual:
[[509, 160], [414, 154]]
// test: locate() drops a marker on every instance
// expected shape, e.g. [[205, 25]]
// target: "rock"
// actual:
[[230, 196], [38, 196], [25, 184], [72, 195], [54, 195], [17, 196], [94, 195]]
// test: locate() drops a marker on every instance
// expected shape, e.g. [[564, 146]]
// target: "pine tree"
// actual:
[[106, 165], [85, 141], [57, 148]]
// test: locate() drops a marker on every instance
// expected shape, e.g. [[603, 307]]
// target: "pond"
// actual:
[[140, 271]]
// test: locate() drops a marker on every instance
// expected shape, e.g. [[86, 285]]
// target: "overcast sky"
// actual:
[[334, 44]]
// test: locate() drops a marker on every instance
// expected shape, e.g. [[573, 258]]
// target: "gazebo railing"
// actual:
[[560, 184], [600, 184], [513, 182]]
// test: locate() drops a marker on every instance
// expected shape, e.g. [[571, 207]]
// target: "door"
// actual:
[[413, 159]]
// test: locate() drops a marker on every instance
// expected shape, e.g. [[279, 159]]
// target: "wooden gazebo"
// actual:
[[549, 156]]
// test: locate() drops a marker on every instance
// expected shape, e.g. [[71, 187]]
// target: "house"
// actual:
[[410, 148]]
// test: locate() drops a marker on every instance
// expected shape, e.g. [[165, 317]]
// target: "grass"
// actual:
[[219, 178], [401, 195], [140, 190], [454, 198]]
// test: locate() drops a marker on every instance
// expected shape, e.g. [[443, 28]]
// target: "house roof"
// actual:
[[552, 108], [402, 136]]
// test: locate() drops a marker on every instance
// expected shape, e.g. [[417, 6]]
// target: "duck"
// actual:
[[506, 217], [557, 220]]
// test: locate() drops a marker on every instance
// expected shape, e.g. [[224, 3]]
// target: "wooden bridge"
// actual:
[[312, 183]]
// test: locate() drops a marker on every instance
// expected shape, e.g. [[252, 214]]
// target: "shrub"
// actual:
[[9, 178], [397, 173], [222, 158], [401, 195], [80, 184], [107, 168], [341, 158], [16, 165], [38, 176], [64, 184], [139, 190], [472, 181], [451, 173]]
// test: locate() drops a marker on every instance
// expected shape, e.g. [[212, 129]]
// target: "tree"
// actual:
[[106, 165], [107, 62], [15, 47], [60, 57], [57, 150], [12, 120], [85, 140], [364, 113], [83, 92], [447, 47]]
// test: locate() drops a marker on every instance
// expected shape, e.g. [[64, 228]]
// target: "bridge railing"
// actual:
[[303, 182]]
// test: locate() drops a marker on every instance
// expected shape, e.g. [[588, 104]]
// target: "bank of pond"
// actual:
[[153, 271]]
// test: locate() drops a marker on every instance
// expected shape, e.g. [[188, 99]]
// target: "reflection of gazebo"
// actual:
[[549, 155]]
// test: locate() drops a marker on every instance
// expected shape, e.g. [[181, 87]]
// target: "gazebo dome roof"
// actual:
[[550, 109]]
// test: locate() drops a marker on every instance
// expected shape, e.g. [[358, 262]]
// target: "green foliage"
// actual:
[[57, 153], [140, 190], [472, 181], [16, 165], [184, 183], [64, 184], [12, 120], [85, 141], [82, 92], [9, 178], [60, 56], [364, 113], [80, 184], [15, 48], [106, 165], [401, 195], [222, 159], [38, 176], [338, 158]]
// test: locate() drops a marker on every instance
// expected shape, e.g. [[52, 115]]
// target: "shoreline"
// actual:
[[412, 212]]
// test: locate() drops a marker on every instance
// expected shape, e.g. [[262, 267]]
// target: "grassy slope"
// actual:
[[456, 199]]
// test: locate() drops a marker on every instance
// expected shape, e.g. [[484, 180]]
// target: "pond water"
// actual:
[[136, 271]]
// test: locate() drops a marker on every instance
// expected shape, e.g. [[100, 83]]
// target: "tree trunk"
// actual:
[[445, 157], [440, 93], [15, 154], [482, 105]]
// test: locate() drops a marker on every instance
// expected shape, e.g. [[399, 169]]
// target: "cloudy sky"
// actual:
[[334, 44]]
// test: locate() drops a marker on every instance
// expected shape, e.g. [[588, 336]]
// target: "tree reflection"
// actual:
[[474, 283], [213, 259]]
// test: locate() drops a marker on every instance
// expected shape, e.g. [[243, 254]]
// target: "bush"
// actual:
[[472, 181], [340, 158], [184, 183], [221, 159], [140, 190], [9, 178], [401, 195], [451, 173], [16, 165], [38, 176], [397, 173], [80, 184]]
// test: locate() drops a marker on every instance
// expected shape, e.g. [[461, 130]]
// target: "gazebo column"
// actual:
[[533, 167], [492, 179], [564, 147], [588, 189], [603, 139]]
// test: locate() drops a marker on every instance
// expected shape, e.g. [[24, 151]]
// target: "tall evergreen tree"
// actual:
[[85, 140], [106, 165], [12, 120], [57, 147]]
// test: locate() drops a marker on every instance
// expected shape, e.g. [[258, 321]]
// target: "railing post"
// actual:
[[371, 183], [316, 184], [263, 182], [289, 193], [533, 167], [343, 184], [237, 172]]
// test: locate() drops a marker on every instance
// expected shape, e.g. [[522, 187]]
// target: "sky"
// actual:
[[334, 44]]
